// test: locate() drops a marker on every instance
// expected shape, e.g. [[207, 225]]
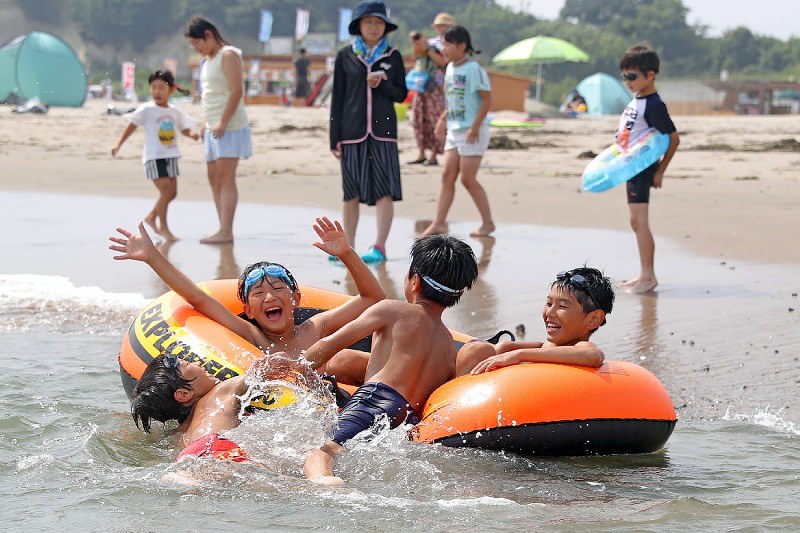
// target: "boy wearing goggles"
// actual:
[[412, 350], [577, 305], [270, 295]]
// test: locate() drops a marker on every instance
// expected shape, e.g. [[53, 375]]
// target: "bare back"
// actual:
[[414, 353]]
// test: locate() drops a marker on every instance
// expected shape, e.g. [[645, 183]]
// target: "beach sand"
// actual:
[[731, 191]]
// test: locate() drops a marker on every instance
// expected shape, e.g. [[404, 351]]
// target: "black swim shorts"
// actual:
[[639, 185], [369, 402]]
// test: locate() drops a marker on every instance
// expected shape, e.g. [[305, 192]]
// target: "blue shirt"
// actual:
[[461, 86]]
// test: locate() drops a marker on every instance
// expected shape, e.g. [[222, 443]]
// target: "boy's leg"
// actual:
[[644, 240], [222, 177], [471, 354], [319, 465], [469, 177], [350, 219], [347, 366], [447, 192]]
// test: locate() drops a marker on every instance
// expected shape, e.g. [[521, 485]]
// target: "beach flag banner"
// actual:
[[128, 75], [172, 66], [265, 30], [344, 21], [301, 27]]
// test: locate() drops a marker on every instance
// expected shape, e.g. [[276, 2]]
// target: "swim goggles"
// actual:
[[170, 360], [577, 280], [272, 270], [435, 285]]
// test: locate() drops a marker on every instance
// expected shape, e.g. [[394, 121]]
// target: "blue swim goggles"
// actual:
[[261, 272]]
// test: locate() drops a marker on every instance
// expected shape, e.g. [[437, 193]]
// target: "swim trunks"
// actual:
[[638, 187], [369, 402], [215, 447]]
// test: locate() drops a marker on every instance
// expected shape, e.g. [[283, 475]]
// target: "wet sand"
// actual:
[[730, 192]]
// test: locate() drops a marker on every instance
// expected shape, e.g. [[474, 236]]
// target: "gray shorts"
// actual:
[[234, 144]]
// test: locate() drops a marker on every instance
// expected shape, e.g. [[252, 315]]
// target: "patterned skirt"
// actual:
[[370, 171], [427, 108]]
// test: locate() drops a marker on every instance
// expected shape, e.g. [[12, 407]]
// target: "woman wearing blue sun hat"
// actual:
[[368, 78]]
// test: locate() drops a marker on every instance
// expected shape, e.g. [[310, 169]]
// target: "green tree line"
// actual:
[[603, 28]]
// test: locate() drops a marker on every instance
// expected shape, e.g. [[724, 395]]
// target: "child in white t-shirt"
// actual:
[[161, 121], [469, 96]]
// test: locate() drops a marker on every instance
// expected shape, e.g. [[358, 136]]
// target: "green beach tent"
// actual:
[[40, 65]]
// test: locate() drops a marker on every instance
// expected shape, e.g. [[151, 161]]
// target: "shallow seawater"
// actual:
[[723, 338]]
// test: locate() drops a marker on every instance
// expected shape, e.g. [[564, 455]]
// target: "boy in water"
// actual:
[[639, 66], [577, 305], [270, 295], [174, 389], [412, 350]]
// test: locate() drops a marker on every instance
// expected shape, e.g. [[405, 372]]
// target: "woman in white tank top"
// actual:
[[226, 129]]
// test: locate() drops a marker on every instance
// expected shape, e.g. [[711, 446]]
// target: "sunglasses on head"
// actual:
[[271, 270], [577, 280], [630, 76]]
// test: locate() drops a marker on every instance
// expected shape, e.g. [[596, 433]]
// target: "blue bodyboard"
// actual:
[[612, 167]]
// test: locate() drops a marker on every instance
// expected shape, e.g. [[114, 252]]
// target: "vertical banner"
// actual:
[[301, 27], [128, 75], [344, 21], [265, 30]]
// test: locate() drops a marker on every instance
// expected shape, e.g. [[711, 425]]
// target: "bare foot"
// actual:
[[628, 283], [169, 236], [327, 480], [483, 231], [643, 286], [217, 238], [434, 229], [150, 220]]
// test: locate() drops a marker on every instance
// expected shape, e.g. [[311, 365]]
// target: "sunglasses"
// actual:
[[630, 76], [271, 270], [578, 281]]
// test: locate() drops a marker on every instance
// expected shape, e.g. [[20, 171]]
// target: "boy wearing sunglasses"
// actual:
[[639, 66], [577, 305], [270, 295]]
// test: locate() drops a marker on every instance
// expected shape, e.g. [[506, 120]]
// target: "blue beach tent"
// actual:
[[604, 94], [40, 65]]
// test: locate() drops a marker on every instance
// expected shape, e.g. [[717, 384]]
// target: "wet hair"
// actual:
[[458, 35], [254, 266], [167, 77], [154, 395], [446, 266], [197, 30], [641, 58], [596, 292]]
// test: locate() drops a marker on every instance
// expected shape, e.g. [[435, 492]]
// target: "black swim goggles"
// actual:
[[261, 272], [576, 280], [170, 360]]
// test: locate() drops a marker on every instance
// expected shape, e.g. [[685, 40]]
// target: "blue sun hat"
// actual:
[[370, 9]]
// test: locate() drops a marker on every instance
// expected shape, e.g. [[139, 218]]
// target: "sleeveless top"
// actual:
[[215, 92]]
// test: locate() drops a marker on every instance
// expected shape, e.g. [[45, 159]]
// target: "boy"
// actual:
[[577, 305], [639, 66], [412, 350], [270, 295], [174, 389]]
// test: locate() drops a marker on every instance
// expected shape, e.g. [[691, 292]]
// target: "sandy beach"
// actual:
[[731, 190]]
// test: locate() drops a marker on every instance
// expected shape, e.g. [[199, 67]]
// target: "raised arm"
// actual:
[[334, 242], [582, 354], [141, 248], [370, 321]]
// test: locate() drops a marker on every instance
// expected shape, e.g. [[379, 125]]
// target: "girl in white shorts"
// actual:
[[469, 97]]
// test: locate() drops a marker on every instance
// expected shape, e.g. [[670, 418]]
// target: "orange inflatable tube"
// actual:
[[549, 409]]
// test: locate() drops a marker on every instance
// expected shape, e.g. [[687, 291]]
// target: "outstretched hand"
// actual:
[[333, 240], [137, 247]]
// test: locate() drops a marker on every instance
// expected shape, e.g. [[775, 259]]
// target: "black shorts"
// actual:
[[639, 185]]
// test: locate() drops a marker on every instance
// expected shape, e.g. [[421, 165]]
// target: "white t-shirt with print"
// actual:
[[162, 125]]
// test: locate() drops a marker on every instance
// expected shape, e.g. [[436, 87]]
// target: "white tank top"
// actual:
[[215, 92]]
